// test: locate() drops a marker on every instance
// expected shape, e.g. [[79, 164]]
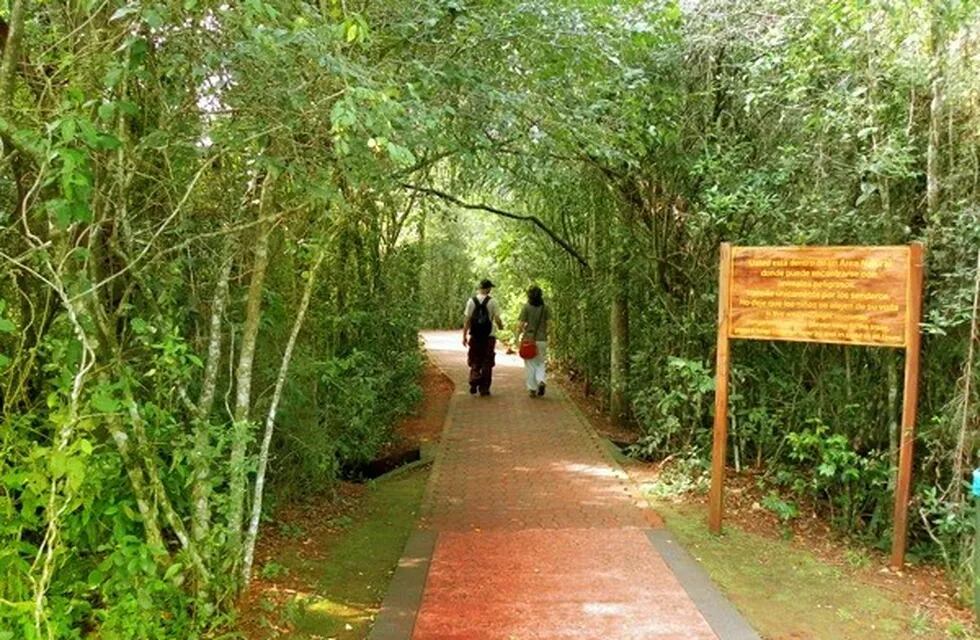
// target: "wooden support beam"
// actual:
[[910, 400], [719, 448]]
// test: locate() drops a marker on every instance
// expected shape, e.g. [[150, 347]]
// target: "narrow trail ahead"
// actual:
[[530, 529]]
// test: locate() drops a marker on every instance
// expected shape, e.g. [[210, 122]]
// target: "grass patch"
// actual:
[[789, 593], [347, 567]]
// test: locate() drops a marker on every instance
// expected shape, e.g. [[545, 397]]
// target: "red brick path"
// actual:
[[540, 534]]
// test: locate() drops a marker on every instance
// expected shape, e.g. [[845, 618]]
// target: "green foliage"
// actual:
[[155, 148], [158, 152], [782, 509], [447, 277], [356, 419], [825, 466], [646, 134], [272, 570], [673, 413]]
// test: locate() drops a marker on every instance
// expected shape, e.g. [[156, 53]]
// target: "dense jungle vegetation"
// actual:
[[222, 224]]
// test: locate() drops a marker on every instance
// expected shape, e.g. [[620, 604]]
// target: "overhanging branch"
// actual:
[[561, 242]]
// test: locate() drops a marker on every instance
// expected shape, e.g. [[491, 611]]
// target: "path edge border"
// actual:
[[403, 597], [400, 608], [720, 614], [425, 510]]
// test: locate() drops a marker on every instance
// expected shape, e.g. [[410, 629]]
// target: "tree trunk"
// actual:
[[619, 344], [241, 427], [137, 482], [201, 489], [8, 75], [270, 422], [147, 457], [892, 409], [937, 81], [11, 54]]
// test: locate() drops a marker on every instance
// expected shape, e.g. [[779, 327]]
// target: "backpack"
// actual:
[[481, 324]]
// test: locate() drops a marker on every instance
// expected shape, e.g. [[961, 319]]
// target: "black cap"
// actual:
[[486, 284]]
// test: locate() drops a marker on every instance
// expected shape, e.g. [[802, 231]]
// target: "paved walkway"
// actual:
[[530, 530]]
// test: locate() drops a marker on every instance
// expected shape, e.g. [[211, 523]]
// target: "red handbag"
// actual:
[[528, 349]]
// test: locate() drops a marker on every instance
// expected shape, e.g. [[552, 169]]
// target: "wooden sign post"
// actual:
[[841, 295]]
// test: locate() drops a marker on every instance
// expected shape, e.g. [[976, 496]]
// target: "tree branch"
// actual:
[[561, 242]]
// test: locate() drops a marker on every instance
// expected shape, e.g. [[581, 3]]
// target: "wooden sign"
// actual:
[[843, 295], [839, 295]]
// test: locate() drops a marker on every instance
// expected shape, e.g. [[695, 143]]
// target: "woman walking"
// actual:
[[532, 326]]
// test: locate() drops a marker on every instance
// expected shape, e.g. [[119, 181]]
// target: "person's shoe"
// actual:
[[484, 392], [540, 388], [472, 389], [532, 393]]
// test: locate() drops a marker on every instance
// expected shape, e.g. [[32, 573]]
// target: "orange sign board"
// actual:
[[843, 295]]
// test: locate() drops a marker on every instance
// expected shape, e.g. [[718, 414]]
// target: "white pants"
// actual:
[[534, 368]]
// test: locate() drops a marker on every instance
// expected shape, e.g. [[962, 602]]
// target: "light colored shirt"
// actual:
[[536, 319], [491, 309]]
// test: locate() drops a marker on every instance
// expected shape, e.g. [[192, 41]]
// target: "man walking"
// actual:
[[481, 317]]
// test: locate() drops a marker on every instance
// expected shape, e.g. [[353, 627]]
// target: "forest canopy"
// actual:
[[223, 224]]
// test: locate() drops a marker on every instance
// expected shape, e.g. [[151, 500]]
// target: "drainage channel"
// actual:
[[376, 468]]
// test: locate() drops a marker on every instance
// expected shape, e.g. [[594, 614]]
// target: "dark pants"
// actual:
[[481, 358]]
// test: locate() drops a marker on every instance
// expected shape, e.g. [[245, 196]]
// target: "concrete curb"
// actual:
[[435, 450], [396, 620], [402, 470], [723, 618], [400, 608]]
